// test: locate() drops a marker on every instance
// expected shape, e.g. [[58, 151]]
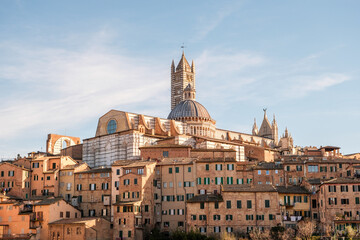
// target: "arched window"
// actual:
[[64, 144], [111, 126]]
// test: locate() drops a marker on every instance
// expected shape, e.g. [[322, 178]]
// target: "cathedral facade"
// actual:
[[120, 135]]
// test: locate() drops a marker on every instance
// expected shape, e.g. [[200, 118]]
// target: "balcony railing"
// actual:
[[35, 218], [15, 236], [292, 218]]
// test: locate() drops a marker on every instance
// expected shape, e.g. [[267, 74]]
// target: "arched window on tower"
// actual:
[[64, 144]]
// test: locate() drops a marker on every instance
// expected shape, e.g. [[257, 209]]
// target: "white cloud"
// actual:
[[303, 85], [64, 87], [209, 23]]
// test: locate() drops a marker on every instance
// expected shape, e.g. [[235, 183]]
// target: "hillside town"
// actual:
[[140, 175]]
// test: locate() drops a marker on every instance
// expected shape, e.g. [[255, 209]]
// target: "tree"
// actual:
[[257, 234], [306, 229], [288, 234], [227, 236], [350, 232]]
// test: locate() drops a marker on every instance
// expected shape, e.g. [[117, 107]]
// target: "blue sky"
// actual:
[[63, 64]]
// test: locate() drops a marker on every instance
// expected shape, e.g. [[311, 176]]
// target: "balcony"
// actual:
[[287, 204], [26, 209], [293, 219], [15, 236], [35, 218]]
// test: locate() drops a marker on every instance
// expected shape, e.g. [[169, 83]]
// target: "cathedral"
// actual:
[[120, 135]]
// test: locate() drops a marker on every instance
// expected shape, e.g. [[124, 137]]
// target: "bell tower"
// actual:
[[181, 77]]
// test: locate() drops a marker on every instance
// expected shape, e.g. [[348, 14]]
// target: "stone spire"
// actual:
[[255, 130], [265, 128], [192, 66], [172, 66], [275, 131], [181, 76]]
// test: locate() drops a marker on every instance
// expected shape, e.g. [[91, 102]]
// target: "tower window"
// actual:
[[111, 127]]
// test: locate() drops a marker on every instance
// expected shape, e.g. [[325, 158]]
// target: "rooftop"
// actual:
[[248, 188], [206, 198], [292, 189]]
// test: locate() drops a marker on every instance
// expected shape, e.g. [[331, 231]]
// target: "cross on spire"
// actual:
[[183, 47]]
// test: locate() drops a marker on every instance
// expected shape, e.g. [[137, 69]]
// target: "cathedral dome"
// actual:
[[189, 108]]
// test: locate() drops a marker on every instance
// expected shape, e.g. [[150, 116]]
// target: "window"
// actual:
[[176, 169], [92, 187], [207, 167], [332, 201], [288, 168], [189, 169], [217, 229], [228, 204], [271, 217], [229, 217], [48, 178], [35, 165], [332, 188], [61, 214], [229, 229], [259, 172], [216, 205], [180, 224], [230, 167], [313, 168], [126, 181], [140, 171], [267, 172], [165, 153], [218, 180], [239, 181], [248, 204], [129, 233], [68, 186], [193, 217], [105, 186], [198, 181], [267, 203], [344, 188], [229, 180], [216, 217], [249, 217], [298, 168], [11, 173], [111, 126], [202, 217], [238, 203], [180, 212], [357, 200], [345, 201], [207, 181], [180, 198], [146, 208], [135, 181], [202, 205], [117, 171], [218, 167], [170, 170], [67, 214], [260, 217]]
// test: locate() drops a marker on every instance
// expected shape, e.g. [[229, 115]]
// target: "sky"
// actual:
[[63, 64]]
